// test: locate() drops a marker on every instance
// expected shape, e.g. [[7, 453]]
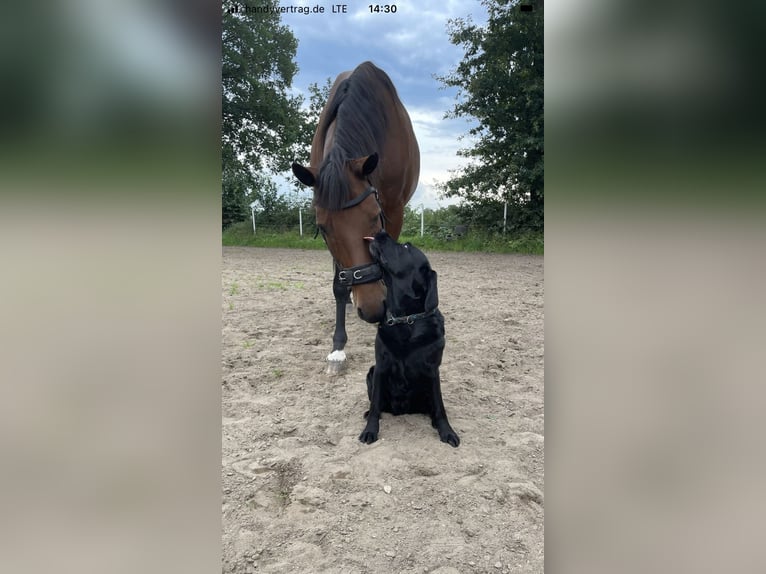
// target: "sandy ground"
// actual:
[[302, 494]]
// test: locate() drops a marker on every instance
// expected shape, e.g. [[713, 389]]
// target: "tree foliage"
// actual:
[[234, 194], [318, 96], [262, 124], [500, 82]]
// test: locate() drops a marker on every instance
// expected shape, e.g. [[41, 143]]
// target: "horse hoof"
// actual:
[[336, 362], [335, 367]]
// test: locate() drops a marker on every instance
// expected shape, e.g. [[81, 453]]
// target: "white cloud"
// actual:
[[439, 140]]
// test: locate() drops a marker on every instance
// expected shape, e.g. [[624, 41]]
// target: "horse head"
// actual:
[[347, 210]]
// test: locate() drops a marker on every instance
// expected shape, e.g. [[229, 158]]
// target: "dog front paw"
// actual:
[[370, 433], [446, 434], [451, 439], [368, 436]]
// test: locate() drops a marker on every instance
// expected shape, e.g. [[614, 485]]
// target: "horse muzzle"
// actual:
[[369, 300]]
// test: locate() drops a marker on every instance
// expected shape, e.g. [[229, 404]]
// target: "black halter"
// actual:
[[370, 272], [361, 197]]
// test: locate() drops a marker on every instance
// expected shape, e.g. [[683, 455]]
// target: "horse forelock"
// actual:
[[360, 109], [332, 188]]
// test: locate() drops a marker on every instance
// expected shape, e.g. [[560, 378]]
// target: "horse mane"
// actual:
[[358, 109]]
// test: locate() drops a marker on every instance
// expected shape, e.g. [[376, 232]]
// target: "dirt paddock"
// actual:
[[302, 494]]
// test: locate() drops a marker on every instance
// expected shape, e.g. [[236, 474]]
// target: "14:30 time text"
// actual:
[[382, 8]]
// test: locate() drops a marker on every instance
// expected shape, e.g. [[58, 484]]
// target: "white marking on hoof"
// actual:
[[337, 356], [336, 363]]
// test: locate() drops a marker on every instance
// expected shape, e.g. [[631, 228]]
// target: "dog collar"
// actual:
[[408, 319]]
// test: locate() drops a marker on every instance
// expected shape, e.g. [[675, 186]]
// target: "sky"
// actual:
[[411, 46]]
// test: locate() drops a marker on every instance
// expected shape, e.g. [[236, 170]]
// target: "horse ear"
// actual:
[[370, 164], [306, 175], [364, 166]]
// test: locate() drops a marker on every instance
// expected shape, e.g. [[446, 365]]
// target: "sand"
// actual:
[[302, 494]]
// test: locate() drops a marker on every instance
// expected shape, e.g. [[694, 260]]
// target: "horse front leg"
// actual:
[[336, 361]]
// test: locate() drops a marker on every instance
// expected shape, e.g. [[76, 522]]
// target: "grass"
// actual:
[[242, 234], [485, 242]]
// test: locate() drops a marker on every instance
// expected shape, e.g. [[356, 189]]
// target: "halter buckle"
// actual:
[[359, 275]]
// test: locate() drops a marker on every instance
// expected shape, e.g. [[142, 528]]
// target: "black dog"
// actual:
[[410, 341]]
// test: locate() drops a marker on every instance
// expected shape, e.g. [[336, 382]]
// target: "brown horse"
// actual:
[[365, 164]]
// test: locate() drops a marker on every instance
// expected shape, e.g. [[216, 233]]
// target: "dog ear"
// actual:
[[432, 293]]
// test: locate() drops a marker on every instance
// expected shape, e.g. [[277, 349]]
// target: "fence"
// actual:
[[443, 224]]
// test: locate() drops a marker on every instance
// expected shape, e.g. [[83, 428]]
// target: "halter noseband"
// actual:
[[369, 272]]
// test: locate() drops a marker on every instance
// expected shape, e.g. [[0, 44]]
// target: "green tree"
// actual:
[[500, 83], [262, 124], [318, 96], [235, 186]]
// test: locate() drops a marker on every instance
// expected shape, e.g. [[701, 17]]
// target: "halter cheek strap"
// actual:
[[361, 197], [369, 272], [371, 190]]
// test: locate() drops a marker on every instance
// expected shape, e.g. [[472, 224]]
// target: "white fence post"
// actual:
[[255, 206]]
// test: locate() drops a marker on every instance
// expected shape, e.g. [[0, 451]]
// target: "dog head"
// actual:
[[410, 281]]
